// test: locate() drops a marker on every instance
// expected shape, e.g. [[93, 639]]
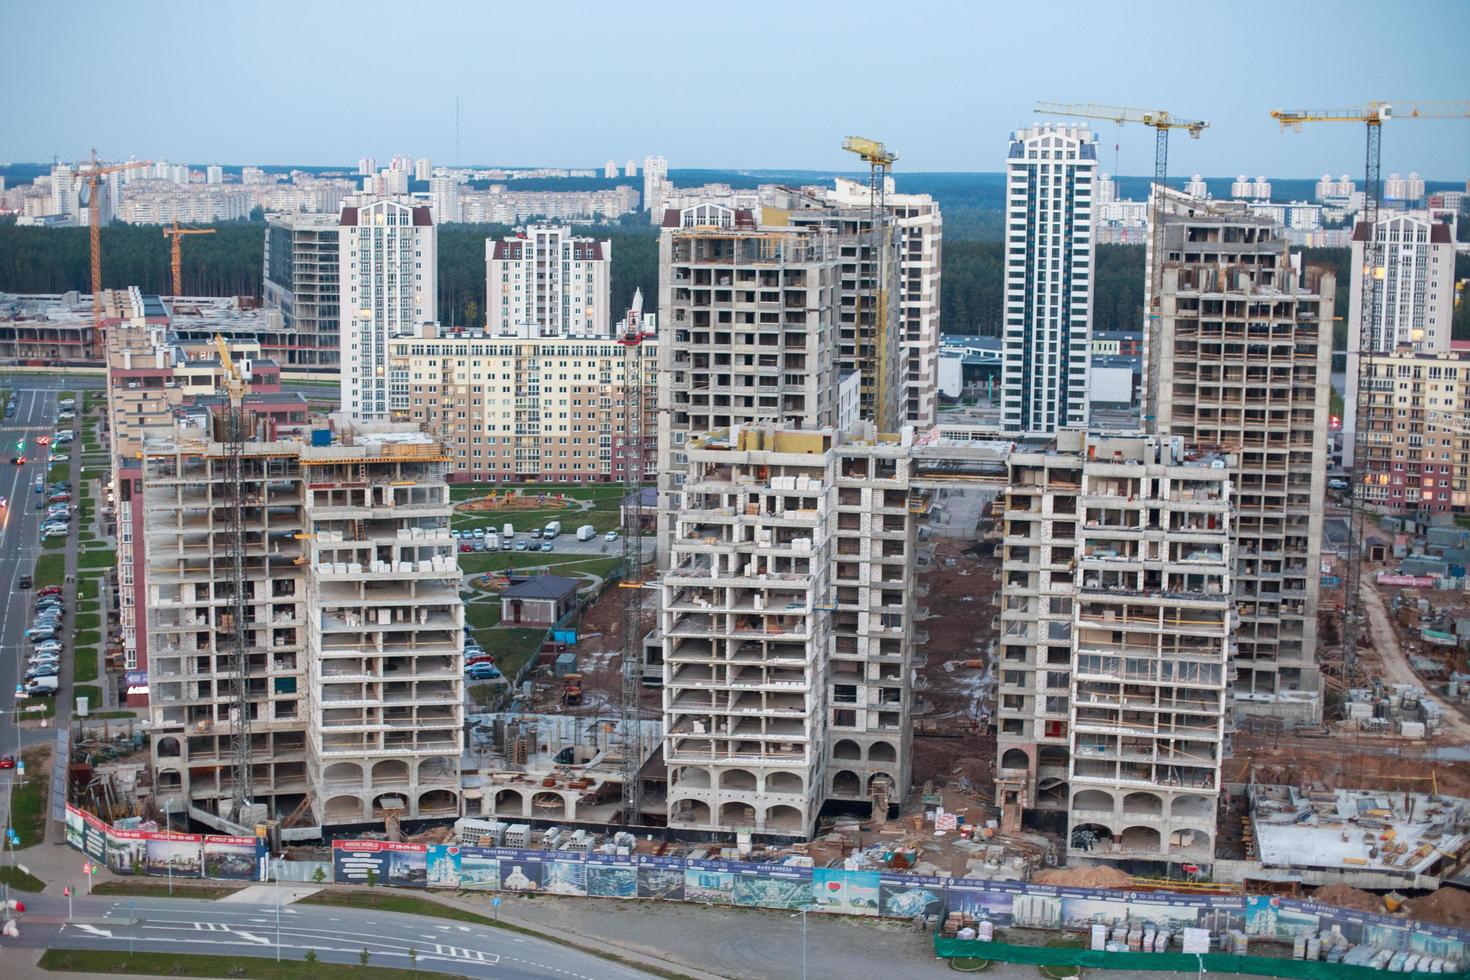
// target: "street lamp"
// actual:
[[802, 912]]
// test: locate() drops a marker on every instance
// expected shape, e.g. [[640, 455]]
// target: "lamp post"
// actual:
[[802, 912]]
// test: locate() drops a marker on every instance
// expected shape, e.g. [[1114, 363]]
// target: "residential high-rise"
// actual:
[[1049, 278], [444, 199], [1415, 298], [422, 169], [1419, 457], [748, 317], [1244, 367], [543, 281], [367, 166], [302, 281], [555, 415], [387, 271], [62, 195], [610, 169], [630, 169], [214, 174], [354, 626], [1115, 645], [1404, 190], [786, 624], [655, 185]]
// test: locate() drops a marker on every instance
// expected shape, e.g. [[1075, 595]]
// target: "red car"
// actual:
[[483, 658], [43, 441], [7, 762], [464, 548], [49, 590]]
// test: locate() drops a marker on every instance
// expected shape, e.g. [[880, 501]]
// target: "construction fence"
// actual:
[[165, 854], [1006, 904]]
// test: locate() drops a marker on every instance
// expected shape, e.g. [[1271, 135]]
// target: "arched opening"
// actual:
[[390, 771], [846, 749], [548, 806], [882, 752], [846, 783], [691, 811], [343, 774], [879, 778], [740, 815], [436, 769], [1193, 806], [510, 803], [784, 818], [1093, 799], [168, 747], [692, 777], [784, 782], [1141, 840], [343, 809], [438, 803], [742, 779], [1091, 837], [1015, 759], [1144, 804], [169, 781], [384, 803], [1052, 755], [1195, 842]]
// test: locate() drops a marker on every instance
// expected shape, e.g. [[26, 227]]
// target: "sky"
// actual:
[[747, 85]]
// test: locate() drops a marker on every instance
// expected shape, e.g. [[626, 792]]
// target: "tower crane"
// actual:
[[233, 432], [92, 172], [1372, 116], [1162, 121], [632, 580], [880, 162], [176, 232]]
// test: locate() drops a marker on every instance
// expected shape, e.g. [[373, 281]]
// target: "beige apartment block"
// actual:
[[548, 409], [1244, 370], [786, 630], [748, 332], [1115, 647], [354, 626]]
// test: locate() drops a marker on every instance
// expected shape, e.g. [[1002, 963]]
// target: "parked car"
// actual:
[[547, 546], [506, 544], [521, 546], [454, 532], [465, 546], [50, 670], [478, 532], [479, 546], [50, 646], [481, 672], [40, 484], [42, 687], [610, 536], [49, 590]]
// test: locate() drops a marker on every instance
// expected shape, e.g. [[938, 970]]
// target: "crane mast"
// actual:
[[871, 352], [1372, 116], [632, 580], [92, 175], [176, 232]]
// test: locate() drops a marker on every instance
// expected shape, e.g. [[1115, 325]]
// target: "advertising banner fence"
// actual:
[[162, 853]]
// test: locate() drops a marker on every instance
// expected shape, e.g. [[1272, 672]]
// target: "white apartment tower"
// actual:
[[389, 285], [656, 185], [1049, 269], [62, 196], [444, 199], [543, 281], [1414, 301]]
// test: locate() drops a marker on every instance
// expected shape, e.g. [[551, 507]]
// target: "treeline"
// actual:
[[972, 291], [55, 260]]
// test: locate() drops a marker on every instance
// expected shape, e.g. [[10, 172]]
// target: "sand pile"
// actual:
[[1450, 906], [1084, 877], [1347, 897]]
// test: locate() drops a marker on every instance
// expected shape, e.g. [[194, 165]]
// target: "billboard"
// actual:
[[611, 876], [847, 892], [387, 863], [233, 858]]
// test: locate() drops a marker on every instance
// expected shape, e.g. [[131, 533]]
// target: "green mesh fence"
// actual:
[[1181, 962]]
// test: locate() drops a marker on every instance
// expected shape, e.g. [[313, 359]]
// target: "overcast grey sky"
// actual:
[[753, 84]]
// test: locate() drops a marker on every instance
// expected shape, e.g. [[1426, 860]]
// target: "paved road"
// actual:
[[337, 935], [94, 382]]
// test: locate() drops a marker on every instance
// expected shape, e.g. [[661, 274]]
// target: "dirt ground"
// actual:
[[600, 662]]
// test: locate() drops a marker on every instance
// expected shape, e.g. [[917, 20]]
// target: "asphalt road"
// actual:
[[337, 934], [95, 382]]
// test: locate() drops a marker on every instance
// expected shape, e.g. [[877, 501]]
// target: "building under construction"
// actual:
[[787, 627], [353, 628]]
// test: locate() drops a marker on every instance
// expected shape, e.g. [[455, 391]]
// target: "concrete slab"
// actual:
[[270, 894]]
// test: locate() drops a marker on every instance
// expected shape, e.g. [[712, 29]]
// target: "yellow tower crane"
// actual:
[[871, 352], [91, 173], [1360, 361], [176, 232], [1162, 121]]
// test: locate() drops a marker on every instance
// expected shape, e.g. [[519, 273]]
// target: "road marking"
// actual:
[[254, 938], [94, 931]]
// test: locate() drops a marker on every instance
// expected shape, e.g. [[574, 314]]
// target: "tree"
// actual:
[[413, 959], [472, 314], [372, 877], [311, 956], [363, 957], [319, 875]]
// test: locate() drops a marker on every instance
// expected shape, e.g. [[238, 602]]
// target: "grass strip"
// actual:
[[88, 691], [28, 799], [158, 888], [84, 664], [201, 965], [413, 905], [20, 881], [102, 558], [87, 621]]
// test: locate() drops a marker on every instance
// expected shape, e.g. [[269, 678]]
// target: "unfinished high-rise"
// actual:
[[748, 317], [353, 631], [1244, 368], [787, 630], [1115, 645]]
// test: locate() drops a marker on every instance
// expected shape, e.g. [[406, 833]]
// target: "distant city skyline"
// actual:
[[717, 88]]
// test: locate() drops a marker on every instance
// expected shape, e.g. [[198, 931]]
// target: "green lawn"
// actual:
[[483, 614], [200, 965], [511, 648], [87, 621], [465, 491], [87, 637], [484, 695], [102, 558], [53, 543], [47, 706], [28, 800], [156, 888], [20, 881], [84, 664], [50, 570], [92, 694], [556, 561]]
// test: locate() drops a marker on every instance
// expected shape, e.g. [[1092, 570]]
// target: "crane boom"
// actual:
[[1157, 118], [871, 352], [1371, 116]]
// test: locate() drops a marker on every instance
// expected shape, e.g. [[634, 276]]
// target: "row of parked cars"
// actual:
[[55, 500], [478, 665], [44, 663]]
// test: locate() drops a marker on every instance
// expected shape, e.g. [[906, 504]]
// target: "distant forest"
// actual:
[[229, 262]]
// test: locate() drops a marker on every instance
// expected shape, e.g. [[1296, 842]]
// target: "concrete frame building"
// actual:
[[1245, 368], [389, 281], [548, 409], [787, 629], [1115, 645], [1049, 277], [301, 280], [1415, 297], [354, 632], [748, 333], [543, 281]]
